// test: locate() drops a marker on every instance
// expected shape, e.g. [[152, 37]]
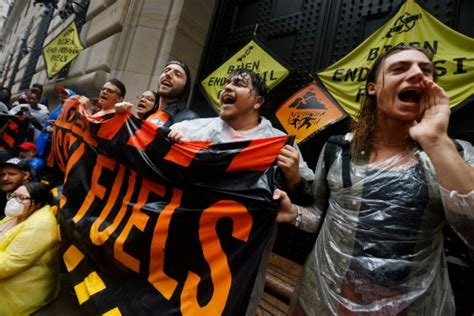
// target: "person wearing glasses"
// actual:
[[29, 251], [145, 103], [112, 92], [13, 173]]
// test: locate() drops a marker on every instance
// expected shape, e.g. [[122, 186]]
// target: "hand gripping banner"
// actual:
[[154, 228]]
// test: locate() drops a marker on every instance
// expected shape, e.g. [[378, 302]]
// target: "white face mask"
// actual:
[[14, 208]]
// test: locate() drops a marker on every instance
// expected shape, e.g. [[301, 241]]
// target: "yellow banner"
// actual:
[[62, 50], [251, 56], [454, 57], [308, 111]]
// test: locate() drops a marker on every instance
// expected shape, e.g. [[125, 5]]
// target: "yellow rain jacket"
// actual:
[[29, 264]]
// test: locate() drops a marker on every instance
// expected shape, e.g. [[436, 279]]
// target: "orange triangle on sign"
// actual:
[[308, 111]]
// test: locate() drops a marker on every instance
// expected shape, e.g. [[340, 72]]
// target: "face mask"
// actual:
[[14, 208]]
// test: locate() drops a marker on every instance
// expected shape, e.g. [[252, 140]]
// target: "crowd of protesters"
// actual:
[[380, 201]]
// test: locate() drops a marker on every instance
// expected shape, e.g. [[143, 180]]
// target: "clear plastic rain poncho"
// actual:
[[380, 247]]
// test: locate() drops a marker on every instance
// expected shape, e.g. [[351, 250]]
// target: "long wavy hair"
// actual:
[[363, 129]]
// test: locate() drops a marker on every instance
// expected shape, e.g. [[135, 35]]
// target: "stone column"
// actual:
[[155, 32]]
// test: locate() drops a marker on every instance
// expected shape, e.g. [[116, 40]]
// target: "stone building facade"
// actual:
[[127, 39]]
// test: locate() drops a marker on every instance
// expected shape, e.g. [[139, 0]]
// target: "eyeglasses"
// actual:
[[19, 198], [111, 91]]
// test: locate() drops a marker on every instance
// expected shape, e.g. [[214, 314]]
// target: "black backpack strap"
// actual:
[[332, 145]]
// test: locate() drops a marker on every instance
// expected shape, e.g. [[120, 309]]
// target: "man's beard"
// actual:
[[171, 95]]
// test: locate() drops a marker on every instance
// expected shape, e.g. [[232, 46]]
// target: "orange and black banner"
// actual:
[[154, 228], [14, 131]]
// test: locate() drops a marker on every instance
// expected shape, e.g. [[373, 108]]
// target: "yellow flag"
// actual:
[[453, 57], [251, 56], [62, 50]]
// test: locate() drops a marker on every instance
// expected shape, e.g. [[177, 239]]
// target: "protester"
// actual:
[[173, 90], [22, 99], [14, 172], [29, 251], [145, 103], [387, 192], [112, 92], [29, 153], [43, 100], [241, 100], [36, 112], [43, 142]]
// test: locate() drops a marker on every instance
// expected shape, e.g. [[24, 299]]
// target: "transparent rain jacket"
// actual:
[[380, 247]]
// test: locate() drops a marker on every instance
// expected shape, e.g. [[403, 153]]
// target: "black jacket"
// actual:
[[177, 112]]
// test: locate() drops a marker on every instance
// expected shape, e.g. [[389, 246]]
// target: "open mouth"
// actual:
[[410, 95], [166, 83], [228, 99], [141, 105]]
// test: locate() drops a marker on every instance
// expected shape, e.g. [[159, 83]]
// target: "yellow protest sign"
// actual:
[[453, 57], [62, 50], [251, 56], [308, 111]]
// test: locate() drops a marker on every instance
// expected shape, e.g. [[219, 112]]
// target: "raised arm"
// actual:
[[452, 171]]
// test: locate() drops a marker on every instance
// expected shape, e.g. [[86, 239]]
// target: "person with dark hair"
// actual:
[[22, 99], [241, 100], [173, 91], [112, 92], [36, 112], [43, 100], [145, 103], [122, 91], [386, 190], [29, 251]]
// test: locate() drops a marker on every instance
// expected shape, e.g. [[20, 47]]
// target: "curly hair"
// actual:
[[363, 128]]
